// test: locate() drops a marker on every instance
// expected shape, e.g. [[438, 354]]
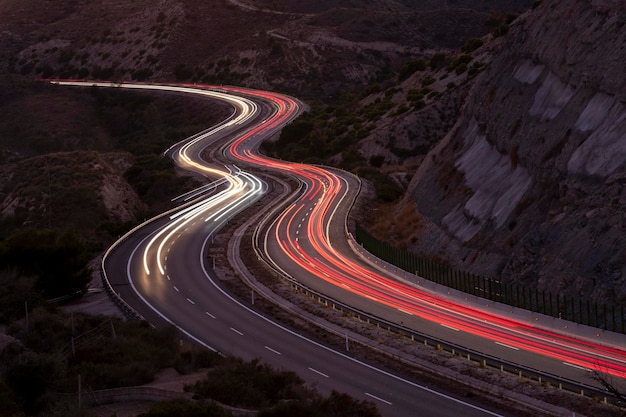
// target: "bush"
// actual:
[[249, 384], [472, 44], [438, 60], [411, 67], [336, 405]]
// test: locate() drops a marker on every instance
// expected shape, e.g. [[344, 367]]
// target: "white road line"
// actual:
[[405, 312], [507, 346], [378, 398], [272, 350], [577, 366], [209, 314], [319, 373], [190, 301], [168, 278], [449, 327], [176, 288], [236, 331]]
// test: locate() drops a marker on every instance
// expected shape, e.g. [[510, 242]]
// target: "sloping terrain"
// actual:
[[315, 49], [529, 184]]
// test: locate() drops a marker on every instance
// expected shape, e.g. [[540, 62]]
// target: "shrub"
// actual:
[[472, 44], [411, 67], [438, 60], [249, 384]]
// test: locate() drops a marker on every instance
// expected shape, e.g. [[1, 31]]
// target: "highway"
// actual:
[[308, 242], [161, 270]]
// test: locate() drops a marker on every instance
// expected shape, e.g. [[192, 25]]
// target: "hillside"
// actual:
[[529, 183], [63, 148], [313, 49]]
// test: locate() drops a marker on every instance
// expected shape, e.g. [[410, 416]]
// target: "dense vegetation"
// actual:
[[51, 348]]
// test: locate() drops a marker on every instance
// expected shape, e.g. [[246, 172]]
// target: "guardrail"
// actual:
[[484, 360]]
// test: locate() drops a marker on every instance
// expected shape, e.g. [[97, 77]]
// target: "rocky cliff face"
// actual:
[[530, 185]]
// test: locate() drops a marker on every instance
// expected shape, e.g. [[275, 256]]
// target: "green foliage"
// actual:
[[57, 259], [438, 61], [459, 65], [131, 358], [472, 44], [427, 81], [249, 384], [476, 66], [411, 67], [336, 405], [498, 23], [191, 360], [386, 189], [55, 348], [180, 407]]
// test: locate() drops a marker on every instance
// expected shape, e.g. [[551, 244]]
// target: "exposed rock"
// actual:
[[541, 148]]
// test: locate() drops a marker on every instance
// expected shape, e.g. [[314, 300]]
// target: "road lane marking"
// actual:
[[507, 346], [319, 373], [209, 314], [378, 398], [272, 350], [405, 312], [449, 327], [168, 278], [236, 331], [176, 288], [190, 301], [577, 366]]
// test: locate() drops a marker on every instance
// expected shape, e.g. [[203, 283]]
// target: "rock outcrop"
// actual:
[[530, 185]]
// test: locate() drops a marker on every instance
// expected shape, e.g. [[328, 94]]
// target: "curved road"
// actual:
[[160, 270], [168, 279]]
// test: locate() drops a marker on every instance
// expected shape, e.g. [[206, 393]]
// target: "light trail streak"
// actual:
[[326, 190]]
